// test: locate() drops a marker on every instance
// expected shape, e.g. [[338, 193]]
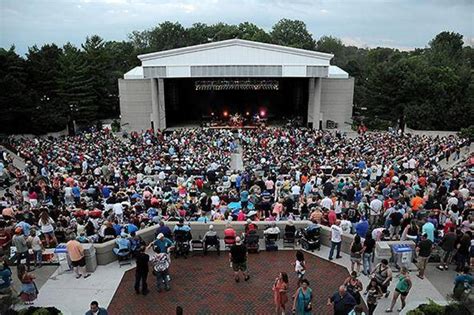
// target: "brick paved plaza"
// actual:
[[205, 285]]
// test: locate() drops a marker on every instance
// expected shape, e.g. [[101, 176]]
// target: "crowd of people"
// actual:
[[99, 186]]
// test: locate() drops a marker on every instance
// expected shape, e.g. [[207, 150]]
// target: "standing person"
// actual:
[[96, 310], [21, 245], [238, 259], [447, 244], [374, 292], [383, 275], [78, 259], [280, 293], [354, 287], [302, 302], [356, 254], [423, 249], [161, 264], [300, 265], [141, 272], [47, 228], [342, 301], [37, 247], [403, 287], [28, 291], [336, 240], [367, 255]]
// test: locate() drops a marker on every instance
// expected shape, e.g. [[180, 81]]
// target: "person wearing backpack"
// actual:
[[383, 275]]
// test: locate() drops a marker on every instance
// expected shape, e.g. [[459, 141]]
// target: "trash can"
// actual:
[[402, 255], [91, 259]]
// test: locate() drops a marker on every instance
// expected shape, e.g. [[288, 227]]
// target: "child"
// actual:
[[300, 266], [37, 247]]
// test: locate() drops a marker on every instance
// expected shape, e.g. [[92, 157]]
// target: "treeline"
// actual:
[[428, 88]]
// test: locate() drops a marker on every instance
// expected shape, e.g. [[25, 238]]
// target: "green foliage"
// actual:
[[52, 85], [467, 132], [292, 33], [428, 309]]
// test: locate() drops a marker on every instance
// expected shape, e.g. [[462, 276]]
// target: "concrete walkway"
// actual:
[[421, 292], [236, 161]]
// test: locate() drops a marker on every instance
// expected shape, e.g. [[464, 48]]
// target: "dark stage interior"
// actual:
[[189, 101]]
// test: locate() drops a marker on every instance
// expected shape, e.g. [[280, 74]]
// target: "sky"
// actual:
[[402, 24]]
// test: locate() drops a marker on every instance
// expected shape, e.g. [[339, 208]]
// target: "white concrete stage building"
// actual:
[[168, 86]]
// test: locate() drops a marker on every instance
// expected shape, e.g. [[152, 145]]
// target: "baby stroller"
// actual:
[[182, 246], [252, 241], [310, 239], [270, 242]]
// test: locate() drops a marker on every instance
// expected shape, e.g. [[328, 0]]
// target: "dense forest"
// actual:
[[428, 88]]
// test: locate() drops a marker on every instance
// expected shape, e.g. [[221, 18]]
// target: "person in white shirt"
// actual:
[[273, 229], [336, 240], [295, 191], [118, 211], [375, 208], [346, 225], [327, 203], [215, 200]]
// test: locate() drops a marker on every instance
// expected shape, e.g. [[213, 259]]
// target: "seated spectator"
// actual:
[[180, 226], [136, 242], [122, 243], [272, 229], [165, 230], [211, 239], [250, 226]]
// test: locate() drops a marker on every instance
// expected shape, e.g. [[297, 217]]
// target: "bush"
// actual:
[[467, 132], [435, 309]]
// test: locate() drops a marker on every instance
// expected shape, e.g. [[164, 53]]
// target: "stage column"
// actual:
[[161, 105], [154, 104], [314, 102]]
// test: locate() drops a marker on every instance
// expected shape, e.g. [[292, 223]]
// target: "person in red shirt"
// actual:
[[332, 217]]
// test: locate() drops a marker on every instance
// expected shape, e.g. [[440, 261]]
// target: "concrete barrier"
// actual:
[[105, 254]]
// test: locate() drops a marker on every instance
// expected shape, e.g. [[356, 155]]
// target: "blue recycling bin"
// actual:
[[402, 255]]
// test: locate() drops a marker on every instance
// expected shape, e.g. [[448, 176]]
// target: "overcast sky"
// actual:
[[403, 24]]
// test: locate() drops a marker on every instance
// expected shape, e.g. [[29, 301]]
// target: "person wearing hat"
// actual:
[[238, 259], [20, 242], [162, 244]]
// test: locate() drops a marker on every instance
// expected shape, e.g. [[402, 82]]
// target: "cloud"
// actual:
[[365, 23]]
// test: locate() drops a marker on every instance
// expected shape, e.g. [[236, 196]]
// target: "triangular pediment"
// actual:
[[235, 52]]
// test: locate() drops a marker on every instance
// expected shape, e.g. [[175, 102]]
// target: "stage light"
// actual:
[[226, 114], [212, 114], [247, 113], [262, 113]]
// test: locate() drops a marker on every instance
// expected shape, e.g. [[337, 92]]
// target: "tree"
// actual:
[[250, 31], [292, 33], [42, 67], [76, 85], [97, 59], [332, 45], [446, 49], [167, 35], [15, 102]]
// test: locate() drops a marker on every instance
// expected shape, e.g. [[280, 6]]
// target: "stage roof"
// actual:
[[235, 58]]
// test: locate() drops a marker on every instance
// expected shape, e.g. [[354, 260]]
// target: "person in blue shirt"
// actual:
[[162, 244], [362, 227], [203, 218], [428, 228], [106, 192], [131, 228], [165, 230], [181, 227], [117, 227], [463, 281], [244, 199], [122, 243], [25, 227]]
